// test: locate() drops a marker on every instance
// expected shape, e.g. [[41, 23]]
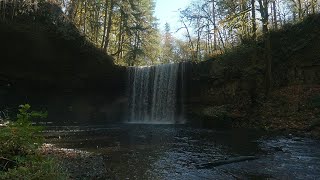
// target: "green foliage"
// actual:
[[19, 156], [21, 137]]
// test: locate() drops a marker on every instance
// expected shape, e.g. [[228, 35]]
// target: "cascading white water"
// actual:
[[153, 94]]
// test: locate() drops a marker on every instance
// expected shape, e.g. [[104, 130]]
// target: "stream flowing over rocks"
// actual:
[[182, 152]]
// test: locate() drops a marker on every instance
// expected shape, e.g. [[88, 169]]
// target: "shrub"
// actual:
[[21, 138], [19, 156]]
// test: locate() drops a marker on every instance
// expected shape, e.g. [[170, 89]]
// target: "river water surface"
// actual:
[[180, 152]]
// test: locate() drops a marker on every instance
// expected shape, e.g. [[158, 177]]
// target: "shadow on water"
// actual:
[[176, 151]]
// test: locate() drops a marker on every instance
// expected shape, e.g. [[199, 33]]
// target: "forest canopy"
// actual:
[[129, 31]]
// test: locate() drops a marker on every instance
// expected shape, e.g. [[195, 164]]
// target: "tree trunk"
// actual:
[[96, 23], [85, 16], [107, 39], [254, 23], [313, 5], [198, 45], [80, 16], [268, 57], [264, 15], [280, 18], [268, 64], [244, 24], [104, 23], [274, 15], [221, 39], [214, 25], [300, 9], [120, 35]]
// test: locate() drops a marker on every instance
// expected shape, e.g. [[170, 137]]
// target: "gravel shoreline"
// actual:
[[78, 164]]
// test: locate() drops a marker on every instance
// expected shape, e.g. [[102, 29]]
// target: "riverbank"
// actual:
[[76, 163]]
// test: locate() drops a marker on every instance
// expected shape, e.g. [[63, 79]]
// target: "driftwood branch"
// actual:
[[6, 159], [7, 162], [5, 166], [225, 161]]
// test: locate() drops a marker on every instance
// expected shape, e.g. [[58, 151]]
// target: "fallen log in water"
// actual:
[[225, 161]]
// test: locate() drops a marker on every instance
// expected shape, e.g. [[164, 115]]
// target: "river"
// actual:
[[132, 151]]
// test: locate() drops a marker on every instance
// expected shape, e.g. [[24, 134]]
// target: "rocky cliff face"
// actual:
[[65, 75], [230, 90]]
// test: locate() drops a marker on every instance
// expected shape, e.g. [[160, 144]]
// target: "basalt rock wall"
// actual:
[[229, 90], [65, 75]]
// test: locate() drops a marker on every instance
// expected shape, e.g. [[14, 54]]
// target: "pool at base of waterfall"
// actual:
[[139, 151]]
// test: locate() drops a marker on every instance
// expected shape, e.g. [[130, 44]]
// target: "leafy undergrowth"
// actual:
[[19, 151]]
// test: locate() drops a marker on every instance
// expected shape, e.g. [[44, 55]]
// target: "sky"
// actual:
[[168, 11]]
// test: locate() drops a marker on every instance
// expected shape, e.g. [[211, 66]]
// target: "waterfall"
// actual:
[[153, 93]]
